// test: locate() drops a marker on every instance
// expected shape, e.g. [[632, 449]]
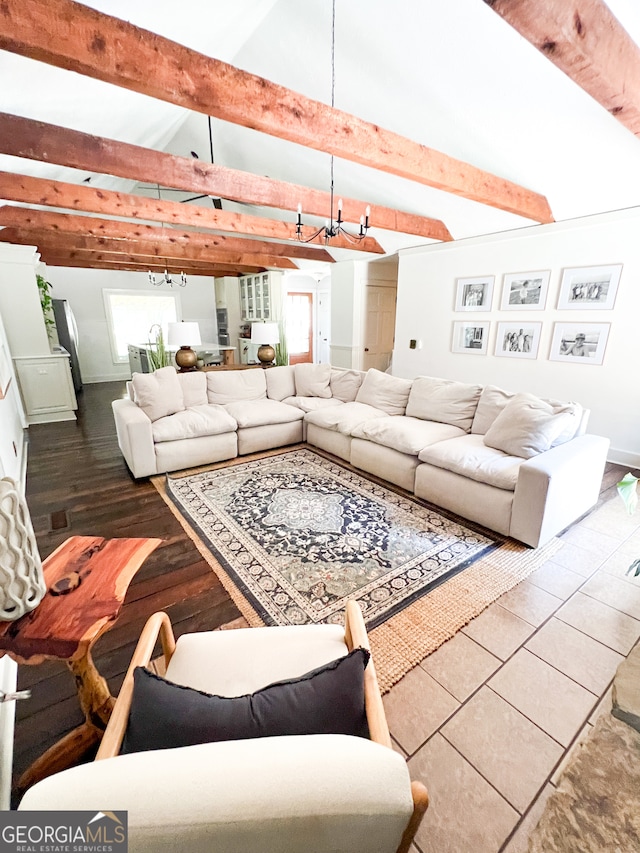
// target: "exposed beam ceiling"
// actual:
[[164, 238], [35, 140], [588, 43], [75, 37], [81, 197]]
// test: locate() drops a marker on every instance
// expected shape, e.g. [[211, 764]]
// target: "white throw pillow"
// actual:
[[528, 425], [345, 384], [385, 392], [280, 382], [158, 394], [194, 388], [312, 380], [444, 401]]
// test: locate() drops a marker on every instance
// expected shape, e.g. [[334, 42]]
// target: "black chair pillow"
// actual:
[[327, 700]]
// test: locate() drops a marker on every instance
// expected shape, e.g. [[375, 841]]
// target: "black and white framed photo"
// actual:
[[474, 294], [580, 343], [472, 338], [587, 288], [518, 340], [525, 291]]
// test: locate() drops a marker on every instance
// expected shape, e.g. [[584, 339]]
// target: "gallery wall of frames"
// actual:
[[572, 341]]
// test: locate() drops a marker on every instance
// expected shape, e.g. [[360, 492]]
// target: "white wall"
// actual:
[[20, 301], [83, 288], [425, 310]]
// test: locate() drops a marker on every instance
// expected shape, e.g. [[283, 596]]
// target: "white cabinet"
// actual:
[[260, 296], [46, 387]]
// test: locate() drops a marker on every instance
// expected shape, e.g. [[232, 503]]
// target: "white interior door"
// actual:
[[379, 327], [323, 334]]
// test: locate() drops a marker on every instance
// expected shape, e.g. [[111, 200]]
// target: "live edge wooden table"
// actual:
[[65, 626]]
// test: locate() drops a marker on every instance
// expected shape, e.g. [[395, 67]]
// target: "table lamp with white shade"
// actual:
[[184, 335], [265, 334]]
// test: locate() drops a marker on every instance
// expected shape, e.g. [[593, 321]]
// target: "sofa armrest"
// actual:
[[135, 438], [556, 488], [277, 794]]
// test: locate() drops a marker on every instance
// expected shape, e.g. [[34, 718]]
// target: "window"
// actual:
[[132, 313]]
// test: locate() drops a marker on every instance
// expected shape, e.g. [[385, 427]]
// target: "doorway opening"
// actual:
[[299, 327]]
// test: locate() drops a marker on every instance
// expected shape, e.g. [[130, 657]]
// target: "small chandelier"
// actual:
[[333, 228], [166, 279]]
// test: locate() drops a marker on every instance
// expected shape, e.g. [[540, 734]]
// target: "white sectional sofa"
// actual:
[[514, 463]]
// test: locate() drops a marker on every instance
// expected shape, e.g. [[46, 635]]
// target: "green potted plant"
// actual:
[[46, 302], [627, 489], [159, 356]]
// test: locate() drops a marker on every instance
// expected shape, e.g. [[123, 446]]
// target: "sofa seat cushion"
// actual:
[[344, 418], [231, 386], [312, 404], [470, 457], [528, 426], [254, 413], [192, 423], [408, 435], [385, 392], [444, 401]]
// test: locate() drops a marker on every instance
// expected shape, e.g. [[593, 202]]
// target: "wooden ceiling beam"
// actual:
[[143, 248], [83, 198], [36, 140], [66, 242], [133, 266], [75, 37], [588, 43], [92, 226]]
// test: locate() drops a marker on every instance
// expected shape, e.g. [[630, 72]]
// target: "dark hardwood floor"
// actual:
[[79, 484]]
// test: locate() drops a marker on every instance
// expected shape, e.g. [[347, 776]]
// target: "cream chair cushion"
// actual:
[[194, 388], [312, 404], [230, 386], [470, 457], [407, 435], [253, 413], [382, 391], [312, 380], [344, 418], [345, 384], [281, 382], [528, 426], [193, 422], [159, 393], [444, 401]]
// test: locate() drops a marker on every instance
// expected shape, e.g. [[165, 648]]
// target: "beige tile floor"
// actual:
[[487, 721]]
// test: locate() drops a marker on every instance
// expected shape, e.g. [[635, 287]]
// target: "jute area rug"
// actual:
[[293, 535]]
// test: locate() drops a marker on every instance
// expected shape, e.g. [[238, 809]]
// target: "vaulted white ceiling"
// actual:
[[453, 76]]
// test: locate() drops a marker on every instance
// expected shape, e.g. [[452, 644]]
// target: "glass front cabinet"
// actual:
[[260, 296]]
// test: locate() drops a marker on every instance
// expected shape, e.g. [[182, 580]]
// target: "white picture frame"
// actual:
[[579, 343], [471, 338], [589, 288], [474, 294], [518, 340], [525, 291]]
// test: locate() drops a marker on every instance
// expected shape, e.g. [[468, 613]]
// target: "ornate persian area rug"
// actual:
[[294, 535]]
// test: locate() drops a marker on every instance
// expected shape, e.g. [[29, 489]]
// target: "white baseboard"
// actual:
[[624, 457]]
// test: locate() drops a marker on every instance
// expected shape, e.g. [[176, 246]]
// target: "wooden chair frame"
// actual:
[[158, 626]]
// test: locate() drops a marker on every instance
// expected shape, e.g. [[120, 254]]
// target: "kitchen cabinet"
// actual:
[[260, 296], [47, 387]]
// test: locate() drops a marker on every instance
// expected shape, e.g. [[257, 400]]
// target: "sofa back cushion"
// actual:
[[231, 386], [158, 394], [281, 382], [444, 401], [493, 400], [385, 392], [194, 388], [345, 384], [312, 380], [528, 426]]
